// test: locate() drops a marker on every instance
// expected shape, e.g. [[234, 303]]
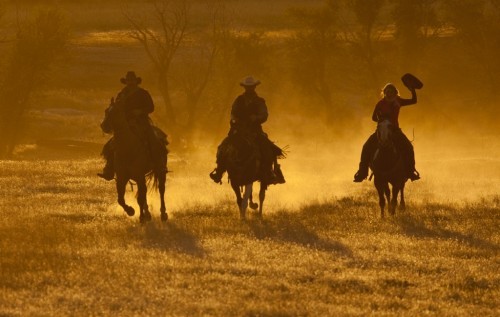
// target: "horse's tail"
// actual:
[[152, 180], [279, 153]]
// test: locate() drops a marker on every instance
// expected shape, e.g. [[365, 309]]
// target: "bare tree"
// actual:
[[364, 27], [477, 25], [313, 47], [161, 36], [417, 23], [38, 43], [183, 60]]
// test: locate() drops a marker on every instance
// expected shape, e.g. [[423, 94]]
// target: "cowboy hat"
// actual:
[[411, 81], [249, 81], [130, 77]]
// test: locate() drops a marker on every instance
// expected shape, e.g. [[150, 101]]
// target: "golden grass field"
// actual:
[[321, 250], [68, 249]]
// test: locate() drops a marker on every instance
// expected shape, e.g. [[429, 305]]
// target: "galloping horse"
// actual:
[[244, 167], [388, 168], [133, 162]]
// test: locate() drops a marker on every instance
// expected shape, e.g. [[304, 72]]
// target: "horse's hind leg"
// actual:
[[402, 204], [162, 179], [262, 197], [121, 183], [142, 201]]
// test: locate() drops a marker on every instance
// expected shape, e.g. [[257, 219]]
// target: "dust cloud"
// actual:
[[321, 64]]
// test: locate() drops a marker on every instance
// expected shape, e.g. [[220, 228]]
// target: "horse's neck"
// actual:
[[127, 142]]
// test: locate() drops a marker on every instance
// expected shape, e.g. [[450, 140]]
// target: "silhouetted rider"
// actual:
[[137, 104], [248, 113], [388, 108]]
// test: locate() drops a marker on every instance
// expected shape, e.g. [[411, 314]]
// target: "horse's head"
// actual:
[[114, 118], [384, 133], [241, 156]]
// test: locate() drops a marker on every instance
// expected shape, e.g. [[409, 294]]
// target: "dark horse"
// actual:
[[133, 162], [244, 167], [388, 168]]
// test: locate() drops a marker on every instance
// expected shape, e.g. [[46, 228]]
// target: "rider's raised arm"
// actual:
[[407, 102]]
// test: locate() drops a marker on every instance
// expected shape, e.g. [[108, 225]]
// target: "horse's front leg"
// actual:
[[142, 200], [380, 186], [253, 205], [394, 200], [237, 192], [162, 180], [121, 183], [244, 202], [262, 197]]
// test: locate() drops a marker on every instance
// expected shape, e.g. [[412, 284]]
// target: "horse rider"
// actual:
[[388, 108], [137, 104], [248, 113]]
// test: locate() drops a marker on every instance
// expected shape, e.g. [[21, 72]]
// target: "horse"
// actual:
[[387, 166], [133, 162], [244, 167]]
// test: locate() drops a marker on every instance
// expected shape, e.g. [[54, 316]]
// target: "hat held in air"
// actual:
[[249, 81], [411, 81], [130, 77]]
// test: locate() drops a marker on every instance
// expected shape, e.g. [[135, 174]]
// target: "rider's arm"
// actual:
[[376, 112], [407, 102], [234, 110], [149, 106], [262, 114]]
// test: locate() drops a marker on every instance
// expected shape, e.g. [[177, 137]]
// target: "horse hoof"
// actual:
[[402, 208], [254, 206], [130, 211], [392, 210], [146, 217], [164, 216]]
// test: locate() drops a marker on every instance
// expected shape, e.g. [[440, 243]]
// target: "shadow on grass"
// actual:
[[416, 228], [171, 237], [289, 227]]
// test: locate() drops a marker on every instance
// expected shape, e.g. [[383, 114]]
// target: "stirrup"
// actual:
[[216, 177], [359, 177], [414, 176]]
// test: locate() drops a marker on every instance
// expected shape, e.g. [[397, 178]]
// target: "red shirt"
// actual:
[[390, 110]]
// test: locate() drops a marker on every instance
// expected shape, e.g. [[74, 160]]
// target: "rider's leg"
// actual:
[[368, 149], [275, 153], [108, 152], [218, 172], [405, 146], [267, 158]]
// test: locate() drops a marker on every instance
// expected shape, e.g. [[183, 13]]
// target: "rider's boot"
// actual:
[[362, 173], [216, 175], [413, 175], [108, 172]]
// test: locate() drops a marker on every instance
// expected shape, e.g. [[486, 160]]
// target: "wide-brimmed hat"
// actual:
[[249, 81], [411, 81], [130, 77]]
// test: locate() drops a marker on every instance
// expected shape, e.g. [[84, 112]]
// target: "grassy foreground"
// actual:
[[66, 249]]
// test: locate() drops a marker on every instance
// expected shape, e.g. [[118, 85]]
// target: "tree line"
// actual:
[[330, 53]]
